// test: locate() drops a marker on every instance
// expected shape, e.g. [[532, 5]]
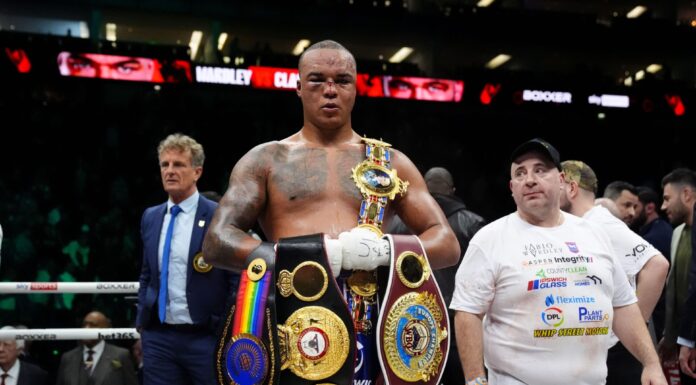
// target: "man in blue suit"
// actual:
[[181, 298]]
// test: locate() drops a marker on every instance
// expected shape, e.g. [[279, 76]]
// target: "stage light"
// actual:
[[636, 12], [654, 68], [498, 61], [221, 40], [401, 54], [300, 47], [111, 31], [195, 43]]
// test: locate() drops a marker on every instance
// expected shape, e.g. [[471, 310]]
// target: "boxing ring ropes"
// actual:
[[72, 288]]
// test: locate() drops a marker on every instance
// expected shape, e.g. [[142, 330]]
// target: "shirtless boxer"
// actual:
[[302, 184]]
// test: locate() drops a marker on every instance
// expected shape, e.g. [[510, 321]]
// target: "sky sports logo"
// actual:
[[547, 283]]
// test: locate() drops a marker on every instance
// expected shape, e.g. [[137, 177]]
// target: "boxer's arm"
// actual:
[[227, 243], [423, 215]]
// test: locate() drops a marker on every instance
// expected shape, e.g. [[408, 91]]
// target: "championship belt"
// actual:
[[246, 351], [413, 326], [316, 337], [377, 182]]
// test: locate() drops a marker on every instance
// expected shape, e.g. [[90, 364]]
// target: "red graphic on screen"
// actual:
[[488, 93], [117, 67], [369, 85], [20, 59], [407, 87], [675, 102], [274, 78]]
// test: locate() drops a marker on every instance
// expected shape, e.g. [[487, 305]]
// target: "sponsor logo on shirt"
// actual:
[[552, 315], [637, 251], [589, 280], [537, 262], [570, 332], [560, 299], [547, 283], [572, 247], [576, 259], [591, 315], [538, 249], [580, 270]]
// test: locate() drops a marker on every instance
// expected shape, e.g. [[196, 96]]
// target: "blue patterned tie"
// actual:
[[164, 273]]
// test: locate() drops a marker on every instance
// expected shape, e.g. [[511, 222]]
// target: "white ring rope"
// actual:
[[69, 334], [68, 287]]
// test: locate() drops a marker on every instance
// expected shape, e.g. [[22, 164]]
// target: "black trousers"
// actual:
[[623, 368], [453, 373]]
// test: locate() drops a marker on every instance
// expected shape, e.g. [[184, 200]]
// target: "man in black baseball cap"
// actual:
[[517, 252], [541, 146]]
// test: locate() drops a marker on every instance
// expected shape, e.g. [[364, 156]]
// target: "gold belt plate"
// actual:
[[363, 283], [412, 337], [314, 343], [376, 180]]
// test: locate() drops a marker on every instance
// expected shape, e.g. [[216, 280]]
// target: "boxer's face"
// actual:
[[327, 87]]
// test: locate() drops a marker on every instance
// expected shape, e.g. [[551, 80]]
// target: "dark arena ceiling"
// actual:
[[588, 39]]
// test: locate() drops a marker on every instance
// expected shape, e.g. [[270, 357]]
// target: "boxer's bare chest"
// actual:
[[298, 174]]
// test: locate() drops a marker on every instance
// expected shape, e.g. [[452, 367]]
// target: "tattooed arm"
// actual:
[[227, 244], [423, 216]]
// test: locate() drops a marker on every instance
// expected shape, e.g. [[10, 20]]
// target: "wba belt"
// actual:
[[413, 327], [246, 349], [315, 332]]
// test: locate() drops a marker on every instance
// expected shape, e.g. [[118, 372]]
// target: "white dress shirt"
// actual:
[[13, 374], [98, 350], [177, 305]]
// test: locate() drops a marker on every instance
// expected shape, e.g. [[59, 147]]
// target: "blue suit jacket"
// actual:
[[206, 293]]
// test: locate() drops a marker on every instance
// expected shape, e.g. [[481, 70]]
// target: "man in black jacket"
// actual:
[[465, 224]]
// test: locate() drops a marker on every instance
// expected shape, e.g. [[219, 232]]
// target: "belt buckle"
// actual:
[[363, 283]]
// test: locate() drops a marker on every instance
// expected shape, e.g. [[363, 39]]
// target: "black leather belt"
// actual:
[[316, 333]]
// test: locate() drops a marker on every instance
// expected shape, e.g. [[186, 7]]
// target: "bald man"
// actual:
[[96, 362]]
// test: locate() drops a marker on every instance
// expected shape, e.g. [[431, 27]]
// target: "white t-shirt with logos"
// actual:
[[630, 248], [548, 295]]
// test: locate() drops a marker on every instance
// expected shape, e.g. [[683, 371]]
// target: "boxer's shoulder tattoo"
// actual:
[[246, 195], [299, 172]]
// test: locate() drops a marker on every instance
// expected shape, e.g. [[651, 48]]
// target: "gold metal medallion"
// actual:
[[363, 283], [412, 269], [314, 343], [308, 281], [412, 336], [375, 180], [200, 265], [256, 269]]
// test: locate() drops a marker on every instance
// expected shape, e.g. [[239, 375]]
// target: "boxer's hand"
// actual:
[[363, 250]]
